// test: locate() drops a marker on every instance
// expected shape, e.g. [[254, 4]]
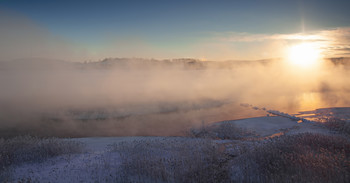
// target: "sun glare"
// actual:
[[304, 54]]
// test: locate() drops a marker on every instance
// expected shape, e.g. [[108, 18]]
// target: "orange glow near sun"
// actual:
[[304, 55]]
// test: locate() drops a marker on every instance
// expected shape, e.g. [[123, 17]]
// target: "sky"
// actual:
[[86, 30]]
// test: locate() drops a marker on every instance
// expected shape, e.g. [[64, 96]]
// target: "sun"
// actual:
[[304, 54]]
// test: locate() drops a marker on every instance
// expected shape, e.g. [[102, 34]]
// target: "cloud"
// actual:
[[333, 42], [232, 45], [246, 37], [337, 41], [240, 46]]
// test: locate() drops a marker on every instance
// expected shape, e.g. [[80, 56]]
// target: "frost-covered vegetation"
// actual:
[[339, 125], [172, 160], [222, 152], [295, 158], [303, 157], [28, 149]]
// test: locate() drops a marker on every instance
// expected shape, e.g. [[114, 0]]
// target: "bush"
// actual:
[[298, 158]]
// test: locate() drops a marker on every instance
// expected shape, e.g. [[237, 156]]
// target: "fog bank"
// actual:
[[118, 97]]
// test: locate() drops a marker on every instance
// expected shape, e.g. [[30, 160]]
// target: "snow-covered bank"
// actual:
[[270, 125], [119, 159], [172, 159]]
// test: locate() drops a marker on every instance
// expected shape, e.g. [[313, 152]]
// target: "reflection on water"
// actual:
[[315, 106], [316, 100], [308, 101], [327, 114], [311, 101]]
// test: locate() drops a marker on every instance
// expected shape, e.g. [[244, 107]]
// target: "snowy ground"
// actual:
[[323, 114], [99, 164], [272, 125]]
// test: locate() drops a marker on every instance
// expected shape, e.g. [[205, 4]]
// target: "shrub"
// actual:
[[298, 158]]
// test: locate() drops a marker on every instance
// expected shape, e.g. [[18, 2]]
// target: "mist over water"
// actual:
[[118, 97]]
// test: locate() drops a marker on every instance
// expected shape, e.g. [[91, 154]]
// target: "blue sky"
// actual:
[[167, 28]]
